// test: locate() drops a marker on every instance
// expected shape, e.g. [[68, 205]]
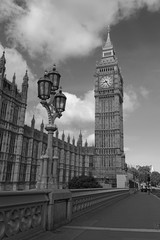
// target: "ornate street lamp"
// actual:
[[54, 102]]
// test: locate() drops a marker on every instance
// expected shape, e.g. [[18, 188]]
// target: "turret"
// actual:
[[2, 64], [42, 126], [63, 136], [14, 84], [14, 79], [73, 141], [86, 144], [68, 138], [79, 142], [2, 69], [33, 122], [57, 133], [25, 86]]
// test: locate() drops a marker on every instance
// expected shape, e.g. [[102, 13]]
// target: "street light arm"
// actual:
[[52, 113]]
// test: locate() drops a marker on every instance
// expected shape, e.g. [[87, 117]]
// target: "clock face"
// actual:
[[106, 81]]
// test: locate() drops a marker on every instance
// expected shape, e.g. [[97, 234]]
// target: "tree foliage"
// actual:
[[134, 171], [141, 173], [144, 173], [155, 178], [83, 182]]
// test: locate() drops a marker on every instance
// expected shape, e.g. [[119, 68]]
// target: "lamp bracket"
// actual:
[[52, 113]]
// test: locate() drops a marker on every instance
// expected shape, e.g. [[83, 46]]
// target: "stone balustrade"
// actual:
[[21, 212], [88, 199], [35, 211]]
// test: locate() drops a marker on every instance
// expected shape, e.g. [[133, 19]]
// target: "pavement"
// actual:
[[133, 218]]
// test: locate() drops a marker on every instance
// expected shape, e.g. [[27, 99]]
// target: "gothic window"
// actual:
[[34, 163], [9, 169], [64, 167], [44, 147], [22, 172], [15, 115], [1, 139], [35, 150], [23, 164], [11, 114], [12, 143], [33, 173], [25, 148], [3, 110]]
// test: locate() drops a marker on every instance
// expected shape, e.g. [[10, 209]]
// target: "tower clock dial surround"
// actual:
[[106, 81]]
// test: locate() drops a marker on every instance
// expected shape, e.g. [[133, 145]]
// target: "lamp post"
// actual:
[[54, 102]]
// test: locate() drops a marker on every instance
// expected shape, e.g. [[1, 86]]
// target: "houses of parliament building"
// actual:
[[21, 146]]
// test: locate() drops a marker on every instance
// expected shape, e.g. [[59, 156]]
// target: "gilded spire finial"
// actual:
[[108, 43], [108, 34]]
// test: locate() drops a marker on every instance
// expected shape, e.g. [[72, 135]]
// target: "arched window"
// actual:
[[1, 139], [3, 110], [12, 143], [15, 115]]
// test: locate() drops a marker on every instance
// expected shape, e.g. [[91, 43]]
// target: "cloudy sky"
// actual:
[[38, 33]]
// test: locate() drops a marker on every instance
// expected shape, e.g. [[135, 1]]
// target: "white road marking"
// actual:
[[114, 229]]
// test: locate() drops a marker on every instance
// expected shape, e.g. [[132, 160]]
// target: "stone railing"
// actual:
[[32, 212], [24, 214], [88, 199]]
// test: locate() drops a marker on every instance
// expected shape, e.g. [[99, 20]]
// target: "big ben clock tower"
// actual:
[[109, 158]]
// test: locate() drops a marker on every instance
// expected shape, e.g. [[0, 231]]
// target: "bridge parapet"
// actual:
[[24, 214], [88, 199]]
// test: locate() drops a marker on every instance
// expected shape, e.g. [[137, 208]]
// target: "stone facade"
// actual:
[[12, 114], [109, 158], [21, 146]]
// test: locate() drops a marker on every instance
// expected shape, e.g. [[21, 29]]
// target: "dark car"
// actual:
[[143, 188]]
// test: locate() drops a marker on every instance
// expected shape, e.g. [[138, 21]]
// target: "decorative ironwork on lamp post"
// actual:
[[54, 102]]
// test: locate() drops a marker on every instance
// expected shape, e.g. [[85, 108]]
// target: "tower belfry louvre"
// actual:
[[109, 148]]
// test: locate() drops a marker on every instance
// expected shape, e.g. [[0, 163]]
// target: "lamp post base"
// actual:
[[46, 181]]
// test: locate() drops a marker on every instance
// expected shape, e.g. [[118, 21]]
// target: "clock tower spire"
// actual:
[[109, 158], [108, 44]]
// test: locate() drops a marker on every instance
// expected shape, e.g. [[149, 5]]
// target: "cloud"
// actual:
[[79, 110], [9, 9], [144, 92], [90, 139], [57, 30], [130, 101], [126, 149]]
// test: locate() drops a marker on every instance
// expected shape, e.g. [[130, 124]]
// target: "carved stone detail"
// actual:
[[20, 219]]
